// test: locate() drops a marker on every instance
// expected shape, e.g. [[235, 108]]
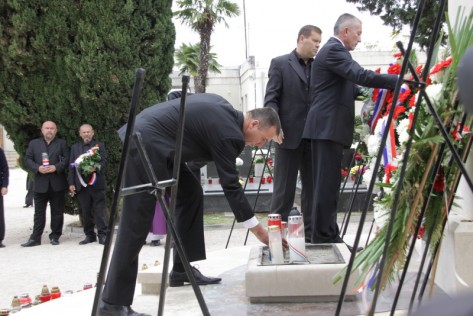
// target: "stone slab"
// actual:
[[291, 283]]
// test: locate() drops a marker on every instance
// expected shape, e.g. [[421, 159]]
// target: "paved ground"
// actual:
[[69, 266]]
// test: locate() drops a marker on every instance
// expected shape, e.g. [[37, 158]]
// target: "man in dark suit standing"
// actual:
[[89, 185], [47, 157], [214, 131], [287, 92], [4, 178], [330, 122]]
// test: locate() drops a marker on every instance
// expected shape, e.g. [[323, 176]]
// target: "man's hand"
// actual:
[[47, 169], [279, 138], [261, 233]]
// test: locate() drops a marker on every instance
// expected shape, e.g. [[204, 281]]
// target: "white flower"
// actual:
[[403, 131], [373, 145], [433, 91], [380, 214], [239, 162]]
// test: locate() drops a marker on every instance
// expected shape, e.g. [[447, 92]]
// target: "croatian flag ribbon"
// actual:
[[378, 108], [389, 152]]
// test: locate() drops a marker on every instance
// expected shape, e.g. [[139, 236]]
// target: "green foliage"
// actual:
[[202, 16], [74, 62], [187, 59], [397, 13]]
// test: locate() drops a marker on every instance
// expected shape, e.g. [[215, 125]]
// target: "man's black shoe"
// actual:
[[27, 205], [102, 240], [87, 240], [350, 248], [2, 245], [339, 240], [155, 243], [117, 310], [54, 241], [179, 278], [31, 243]]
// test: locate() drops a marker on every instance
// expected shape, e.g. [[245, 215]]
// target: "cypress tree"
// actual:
[[74, 62]]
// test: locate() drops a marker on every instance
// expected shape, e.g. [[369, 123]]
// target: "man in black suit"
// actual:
[[47, 157], [4, 178], [287, 92], [330, 122], [89, 185], [214, 131]]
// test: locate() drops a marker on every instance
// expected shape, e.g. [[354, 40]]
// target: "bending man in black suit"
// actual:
[[47, 157], [214, 131], [330, 122], [90, 187], [287, 92]]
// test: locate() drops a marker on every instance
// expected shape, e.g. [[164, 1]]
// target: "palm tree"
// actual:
[[187, 59], [201, 16]]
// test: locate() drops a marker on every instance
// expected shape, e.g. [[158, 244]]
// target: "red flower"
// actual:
[[358, 156], [420, 235], [398, 55], [439, 184], [398, 111], [441, 65], [344, 173], [394, 69], [378, 70]]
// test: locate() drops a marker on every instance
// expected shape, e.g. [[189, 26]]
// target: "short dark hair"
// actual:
[[306, 30], [267, 117], [344, 20]]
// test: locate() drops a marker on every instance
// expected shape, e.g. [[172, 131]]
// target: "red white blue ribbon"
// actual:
[[91, 181], [378, 109]]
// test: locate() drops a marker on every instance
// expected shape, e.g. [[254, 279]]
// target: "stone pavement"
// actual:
[[69, 266]]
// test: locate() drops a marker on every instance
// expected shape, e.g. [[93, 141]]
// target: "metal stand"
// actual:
[[155, 187]]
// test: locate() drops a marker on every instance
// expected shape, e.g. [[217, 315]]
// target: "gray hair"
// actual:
[[345, 20]]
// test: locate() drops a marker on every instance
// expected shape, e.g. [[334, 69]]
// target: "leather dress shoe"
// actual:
[[27, 205], [54, 241], [350, 248], [179, 278], [102, 240], [155, 243], [2, 245], [31, 243], [87, 240], [117, 310]]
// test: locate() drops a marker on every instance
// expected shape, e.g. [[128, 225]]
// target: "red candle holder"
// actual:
[[45, 297], [210, 180], [55, 295], [270, 179], [251, 180], [263, 180]]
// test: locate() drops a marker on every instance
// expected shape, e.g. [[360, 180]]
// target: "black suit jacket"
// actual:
[[287, 92], [213, 132], [58, 153], [78, 149], [334, 77], [4, 172]]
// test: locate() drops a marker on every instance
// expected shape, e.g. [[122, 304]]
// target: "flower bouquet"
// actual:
[[87, 164]]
